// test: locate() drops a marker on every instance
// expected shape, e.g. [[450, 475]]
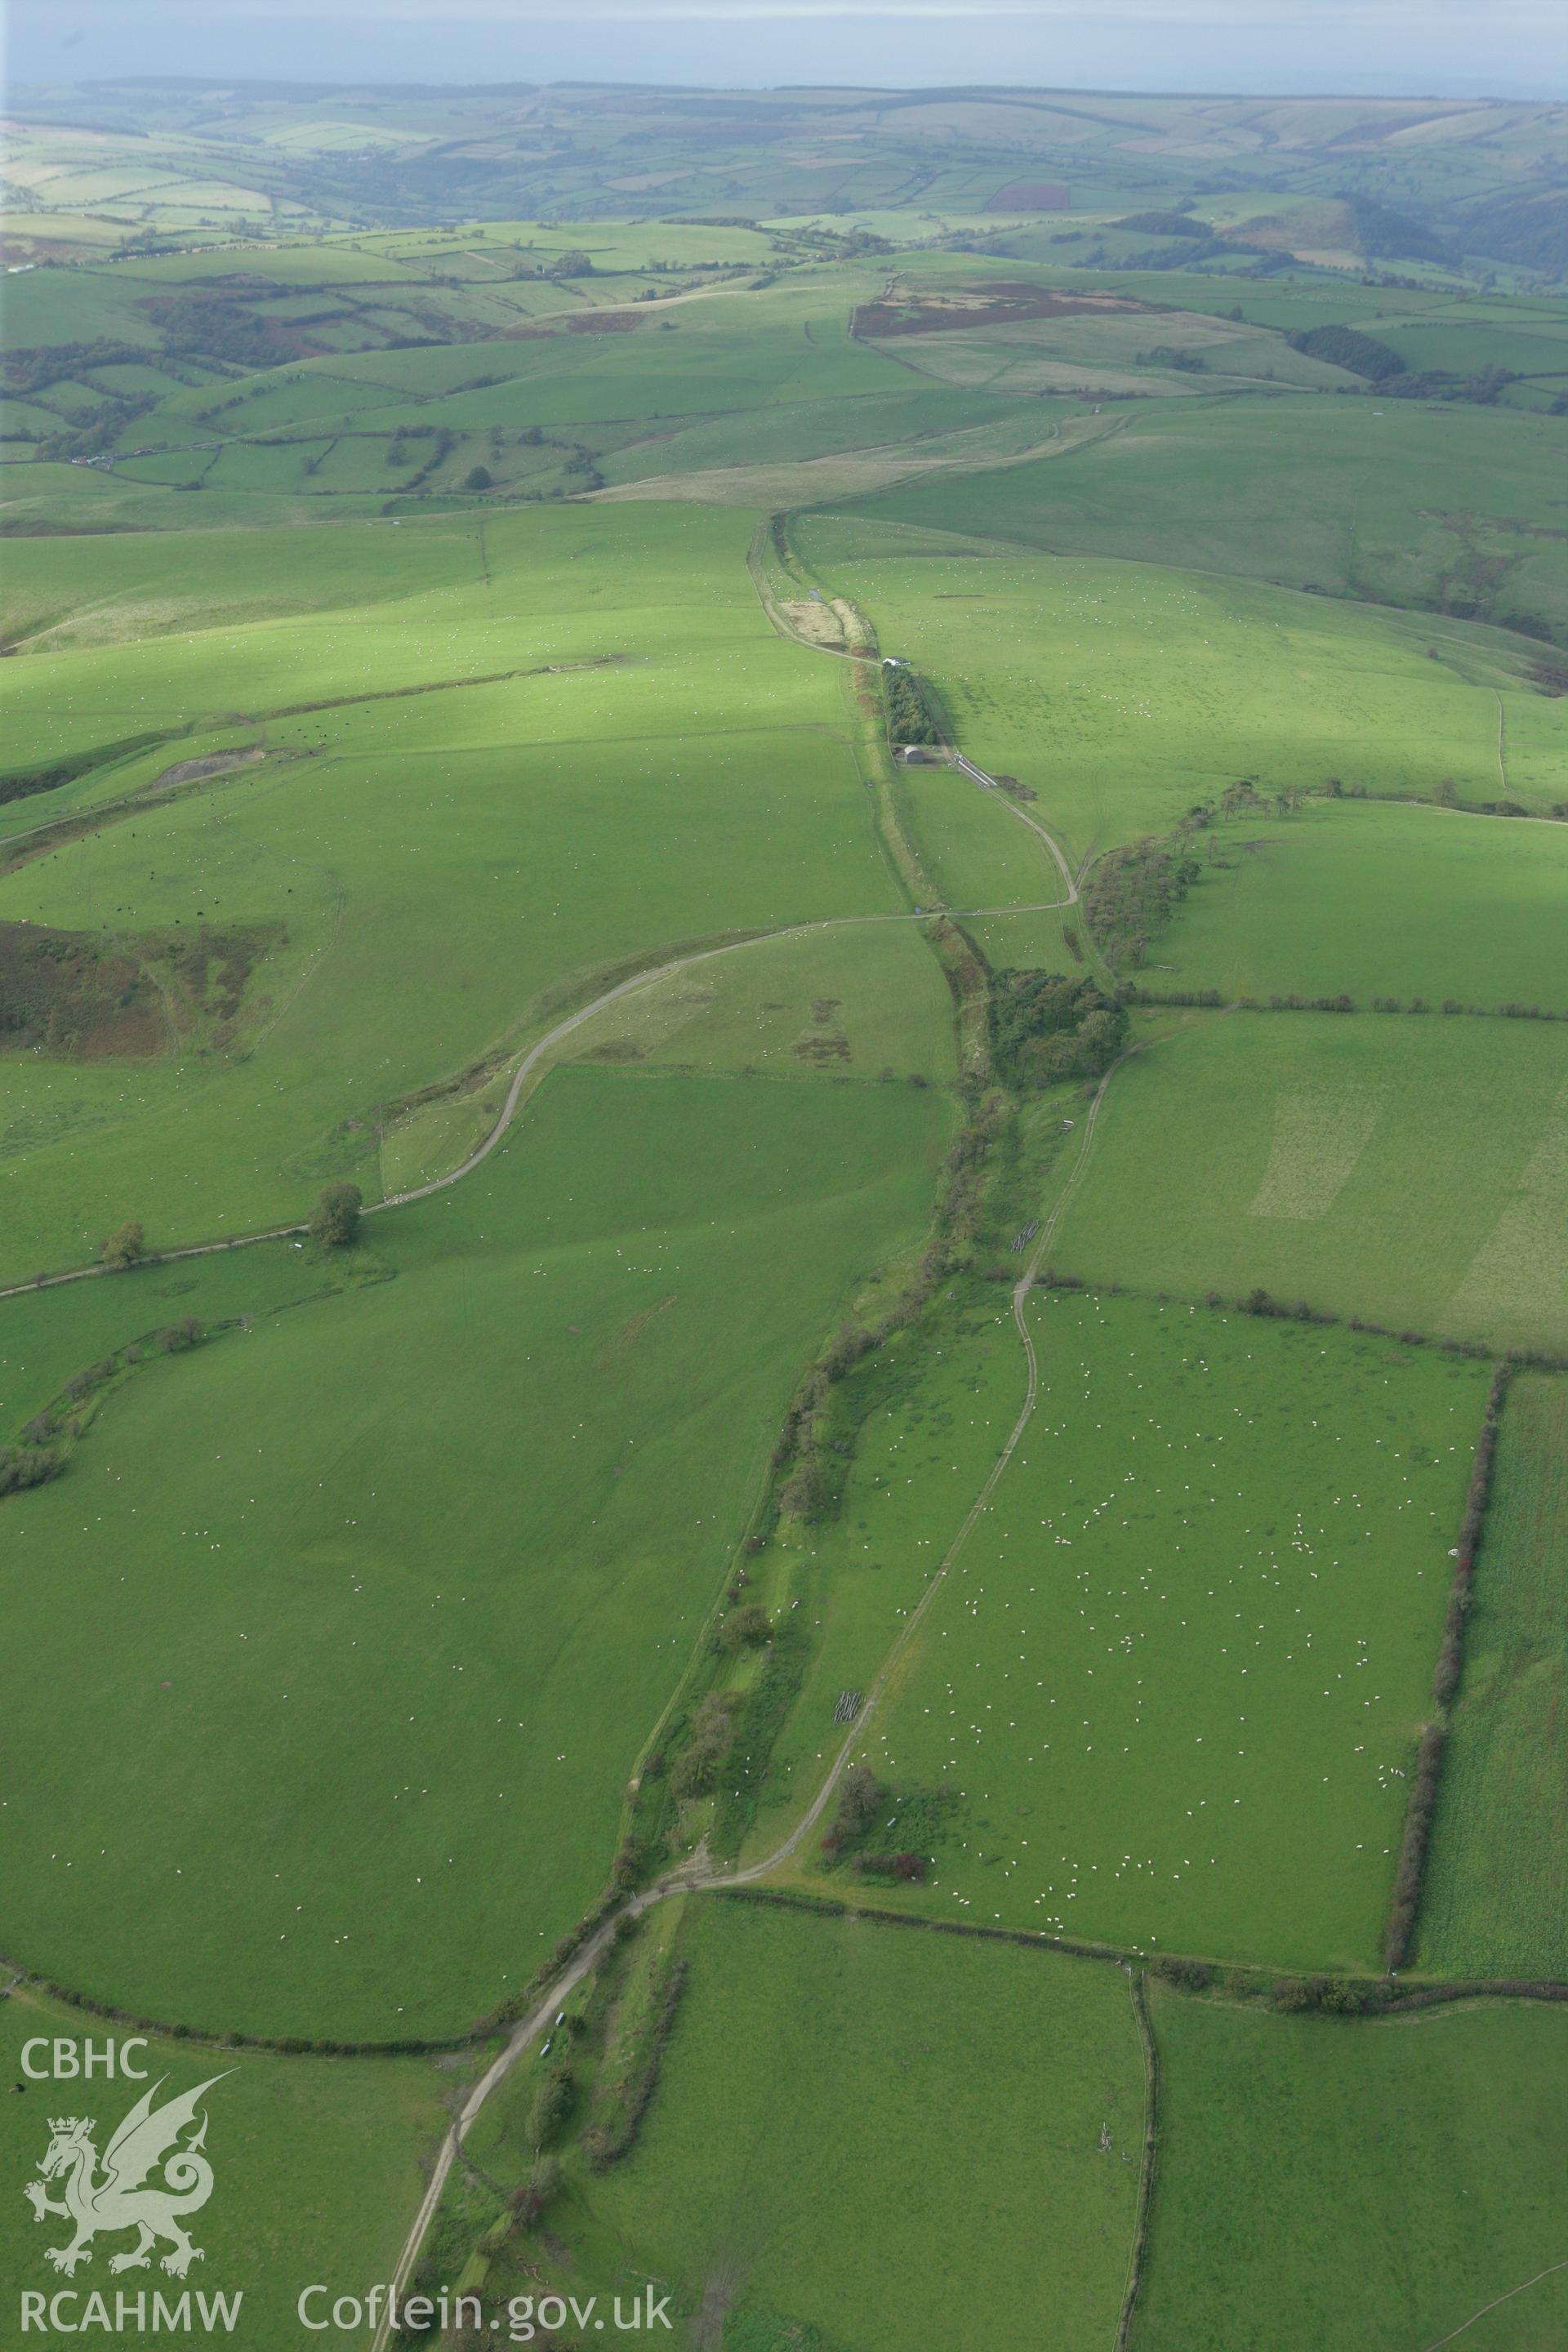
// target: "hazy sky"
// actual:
[[1506, 47]]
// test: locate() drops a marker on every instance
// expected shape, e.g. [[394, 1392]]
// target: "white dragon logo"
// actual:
[[145, 2142]]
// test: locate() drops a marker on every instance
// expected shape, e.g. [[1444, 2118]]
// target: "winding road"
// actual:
[[697, 1874], [526, 1068], [993, 783]]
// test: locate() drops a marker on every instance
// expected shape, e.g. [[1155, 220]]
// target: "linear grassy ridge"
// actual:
[[1418, 1819], [1140, 2254]]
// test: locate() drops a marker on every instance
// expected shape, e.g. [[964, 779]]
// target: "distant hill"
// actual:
[[1422, 179], [1530, 229]]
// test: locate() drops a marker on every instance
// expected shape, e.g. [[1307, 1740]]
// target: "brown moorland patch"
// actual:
[[999, 305]]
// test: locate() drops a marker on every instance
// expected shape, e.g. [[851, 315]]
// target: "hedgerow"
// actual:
[[1422, 1807]]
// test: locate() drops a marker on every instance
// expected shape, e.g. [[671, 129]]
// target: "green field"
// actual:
[[1123, 693], [1316, 494], [47, 1337], [1338, 2181], [666, 586], [857, 1574], [1345, 896], [1493, 1904], [980, 852], [1407, 1170], [59, 597], [1183, 1813], [979, 2098], [429, 877], [531, 1566], [460, 544], [864, 998]]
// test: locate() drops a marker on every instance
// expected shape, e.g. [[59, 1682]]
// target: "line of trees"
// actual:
[[1131, 992], [1048, 1026], [1133, 892], [813, 1452], [1261, 1302], [909, 719], [1423, 1805], [607, 2140], [1349, 348], [1323, 1995]]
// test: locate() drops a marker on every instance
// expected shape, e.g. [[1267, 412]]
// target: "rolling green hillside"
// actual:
[[921, 2070], [1408, 1170], [1430, 2142], [369, 1604], [1167, 1697], [1406, 183], [783, 1179]]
